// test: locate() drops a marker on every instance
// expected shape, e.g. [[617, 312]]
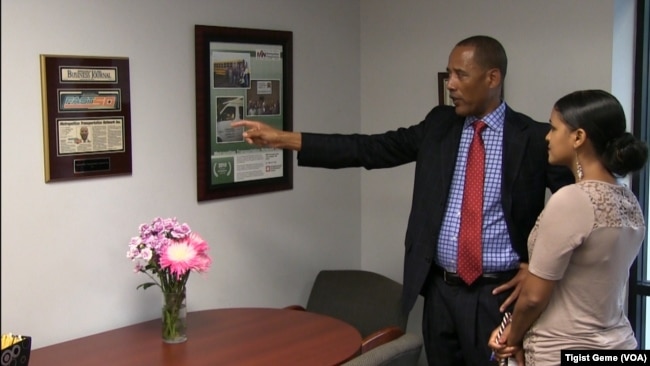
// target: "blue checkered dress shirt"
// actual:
[[498, 254]]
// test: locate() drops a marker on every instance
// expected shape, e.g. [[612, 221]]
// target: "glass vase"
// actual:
[[174, 317]]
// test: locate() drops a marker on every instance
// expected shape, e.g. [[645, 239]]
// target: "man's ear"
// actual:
[[494, 77]]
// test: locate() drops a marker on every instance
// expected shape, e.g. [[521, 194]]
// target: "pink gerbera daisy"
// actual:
[[184, 255]]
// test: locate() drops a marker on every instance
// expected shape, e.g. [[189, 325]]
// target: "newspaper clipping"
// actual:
[[90, 135]]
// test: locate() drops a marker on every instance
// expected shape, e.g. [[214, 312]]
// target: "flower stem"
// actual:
[[174, 316]]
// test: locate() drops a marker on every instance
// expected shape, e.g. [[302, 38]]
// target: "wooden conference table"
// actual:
[[238, 336]]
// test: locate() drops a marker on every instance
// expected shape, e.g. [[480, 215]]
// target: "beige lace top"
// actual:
[[585, 239]]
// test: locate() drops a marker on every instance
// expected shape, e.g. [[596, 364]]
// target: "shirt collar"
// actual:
[[494, 120]]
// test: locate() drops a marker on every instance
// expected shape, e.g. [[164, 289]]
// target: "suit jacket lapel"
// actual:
[[438, 163], [449, 150], [515, 140]]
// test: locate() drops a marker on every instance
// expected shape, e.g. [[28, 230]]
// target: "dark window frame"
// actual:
[[640, 288]]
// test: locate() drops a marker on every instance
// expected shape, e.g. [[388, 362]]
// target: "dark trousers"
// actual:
[[458, 321]]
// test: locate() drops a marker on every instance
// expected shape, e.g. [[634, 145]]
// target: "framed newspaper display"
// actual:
[[241, 73], [86, 116]]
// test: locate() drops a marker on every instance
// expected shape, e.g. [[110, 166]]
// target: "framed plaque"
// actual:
[[241, 74], [86, 116], [443, 93]]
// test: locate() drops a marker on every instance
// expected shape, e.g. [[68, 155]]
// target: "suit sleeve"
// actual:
[[386, 150]]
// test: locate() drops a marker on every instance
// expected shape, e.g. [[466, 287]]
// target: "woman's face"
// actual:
[[561, 141]]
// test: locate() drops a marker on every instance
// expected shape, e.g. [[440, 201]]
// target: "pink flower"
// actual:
[[188, 254]]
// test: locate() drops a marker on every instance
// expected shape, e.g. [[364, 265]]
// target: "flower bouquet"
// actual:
[[167, 252]]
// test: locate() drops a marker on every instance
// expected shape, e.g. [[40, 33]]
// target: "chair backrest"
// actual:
[[403, 351], [367, 300]]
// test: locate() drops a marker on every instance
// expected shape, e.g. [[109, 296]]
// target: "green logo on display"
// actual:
[[223, 170]]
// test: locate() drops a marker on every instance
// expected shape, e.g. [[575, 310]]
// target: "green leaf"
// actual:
[[146, 285]]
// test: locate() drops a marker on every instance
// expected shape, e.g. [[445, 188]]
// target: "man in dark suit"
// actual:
[[459, 314]]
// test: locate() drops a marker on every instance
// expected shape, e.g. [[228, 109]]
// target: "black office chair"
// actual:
[[371, 303]]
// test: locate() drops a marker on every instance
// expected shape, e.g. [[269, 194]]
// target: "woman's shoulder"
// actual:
[[569, 197], [568, 191]]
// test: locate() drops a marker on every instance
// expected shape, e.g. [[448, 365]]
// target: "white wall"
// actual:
[[623, 55], [367, 65], [64, 268]]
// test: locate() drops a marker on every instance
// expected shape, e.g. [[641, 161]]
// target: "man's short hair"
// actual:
[[488, 53]]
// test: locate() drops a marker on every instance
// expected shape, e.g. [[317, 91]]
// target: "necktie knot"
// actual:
[[478, 126]]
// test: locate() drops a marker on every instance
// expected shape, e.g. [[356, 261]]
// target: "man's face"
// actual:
[[469, 84], [84, 133]]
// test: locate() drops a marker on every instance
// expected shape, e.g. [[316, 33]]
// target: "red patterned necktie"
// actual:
[[470, 257]]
